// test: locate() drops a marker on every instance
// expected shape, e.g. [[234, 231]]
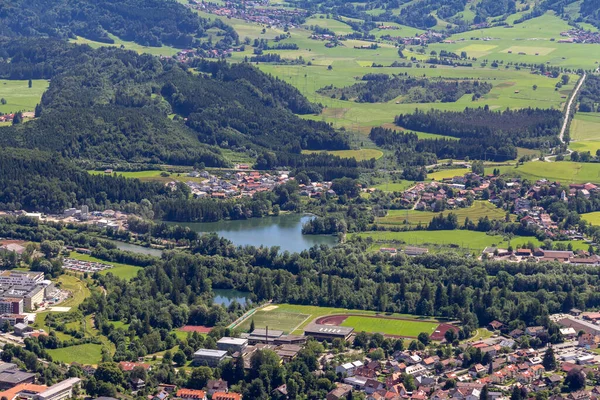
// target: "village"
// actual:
[[246, 10], [521, 202]]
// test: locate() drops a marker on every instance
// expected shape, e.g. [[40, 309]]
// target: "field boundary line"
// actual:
[[298, 326]]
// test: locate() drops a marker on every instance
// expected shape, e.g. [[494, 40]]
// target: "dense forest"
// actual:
[[589, 99], [411, 150], [379, 88], [45, 182], [529, 127], [493, 8], [147, 22], [113, 105]]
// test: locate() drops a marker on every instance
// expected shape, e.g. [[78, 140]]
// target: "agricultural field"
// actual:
[[563, 171], [397, 186], [440, 240], [153, 175], [479, 209], [359, 155], [339, 27], [123, 271], [585, 132], [592, 218], [398, 327], [447, 173], [19, 96], [85, 354], [155, 51]]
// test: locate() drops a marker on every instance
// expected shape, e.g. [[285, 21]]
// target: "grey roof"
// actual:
[[232, 341], [7, 366], [21, 326], [263, 332], [210, 353], [328, 329], [15, 377]]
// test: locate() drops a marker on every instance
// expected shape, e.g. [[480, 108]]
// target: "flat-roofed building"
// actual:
[[61, 390], [20, 278], [266, 336], [328, 332], [211, 358], [232, 345], [580, 325]]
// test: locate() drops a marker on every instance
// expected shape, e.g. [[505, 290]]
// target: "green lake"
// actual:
[[284, 231]]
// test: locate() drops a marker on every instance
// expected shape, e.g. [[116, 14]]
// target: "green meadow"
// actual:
[[585, 132], [479, 209], [442, 240], [359, 155], [563, 171], [86, 354], [19, 96], [155, 51]]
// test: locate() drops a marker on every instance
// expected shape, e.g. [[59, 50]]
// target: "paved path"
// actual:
[[568, 110]]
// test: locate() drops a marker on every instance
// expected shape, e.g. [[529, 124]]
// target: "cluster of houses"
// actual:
[[11, 116], [246, 10], [187, 55], [577, 35], [246, 183], [417, 40], [579, 257], [504, 365]]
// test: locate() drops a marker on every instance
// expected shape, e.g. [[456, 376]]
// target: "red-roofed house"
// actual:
[[191, 394]]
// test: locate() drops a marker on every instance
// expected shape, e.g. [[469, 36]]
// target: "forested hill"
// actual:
[[147, 22], [109, 104]]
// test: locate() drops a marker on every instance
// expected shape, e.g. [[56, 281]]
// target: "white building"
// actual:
[[21, 278], [348, 369], [60, 391]]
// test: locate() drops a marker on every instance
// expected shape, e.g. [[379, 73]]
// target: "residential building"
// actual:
[[226, 396], [216, 385], [191, 394], [349, 368]]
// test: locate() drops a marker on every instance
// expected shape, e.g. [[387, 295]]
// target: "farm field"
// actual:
[[152, 175], [398, 186], [447, 173], [396, 327], [479, 209], [563, 171], [86, 354], [19, 96], [471, 240], [155, 51], [122, 271], [592, 218], [585, 132], [359, 155]]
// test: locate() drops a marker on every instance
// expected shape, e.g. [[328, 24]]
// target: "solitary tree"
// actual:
[[549, 361], [30, 83]]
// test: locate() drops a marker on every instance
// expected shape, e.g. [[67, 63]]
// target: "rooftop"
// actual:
[[210, 353], [328, 329]]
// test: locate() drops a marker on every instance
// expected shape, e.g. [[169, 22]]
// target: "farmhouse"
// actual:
[[327, 332]]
